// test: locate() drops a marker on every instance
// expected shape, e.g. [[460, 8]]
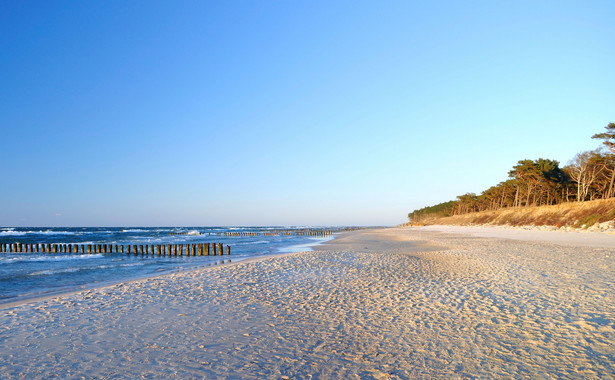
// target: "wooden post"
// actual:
[[228, 249], [220, 249], [136, 250], [213, 249]]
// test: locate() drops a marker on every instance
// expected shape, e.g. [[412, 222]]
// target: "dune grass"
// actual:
[[571, 214]]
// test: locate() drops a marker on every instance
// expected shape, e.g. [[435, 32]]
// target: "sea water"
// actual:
[[31, 275]]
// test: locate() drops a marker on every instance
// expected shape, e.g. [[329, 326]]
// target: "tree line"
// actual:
[[589, 175]]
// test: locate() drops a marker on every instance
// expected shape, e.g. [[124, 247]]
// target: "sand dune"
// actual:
[[394, 303]]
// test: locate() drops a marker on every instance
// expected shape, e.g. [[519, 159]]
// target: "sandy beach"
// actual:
[[392, 303]]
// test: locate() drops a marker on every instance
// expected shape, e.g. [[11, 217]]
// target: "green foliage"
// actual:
[[589, 220], [539, 182], [439, 210], [608, 136]]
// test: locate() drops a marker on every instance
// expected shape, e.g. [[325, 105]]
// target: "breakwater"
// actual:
[[280, 232], [196, 249]]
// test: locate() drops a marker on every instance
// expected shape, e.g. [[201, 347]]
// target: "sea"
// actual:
[[32, 275]]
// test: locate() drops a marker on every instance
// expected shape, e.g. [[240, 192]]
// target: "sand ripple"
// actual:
[[375, 305]]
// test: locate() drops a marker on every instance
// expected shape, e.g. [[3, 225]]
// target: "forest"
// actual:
[[588, 176]]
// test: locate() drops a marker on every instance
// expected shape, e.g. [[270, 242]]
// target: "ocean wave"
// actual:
[[38, 258], [48, 272], [252, 242], [133, 230], [193, 232], [12, 233], [50, 232], [297, 248]]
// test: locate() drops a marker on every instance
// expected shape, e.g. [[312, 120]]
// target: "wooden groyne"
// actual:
[[197, 249], [319, 233], [280, 232]]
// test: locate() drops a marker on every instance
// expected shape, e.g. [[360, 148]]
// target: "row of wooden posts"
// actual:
[[280, 233], [199, 249], [267, 233]]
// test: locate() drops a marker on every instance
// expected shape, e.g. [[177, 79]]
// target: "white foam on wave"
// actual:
[[133, 230], [305, 247], [49, 258], [253, 242], [11, 233], [50, 232], [48, 272], [193, 232], [54, 271]]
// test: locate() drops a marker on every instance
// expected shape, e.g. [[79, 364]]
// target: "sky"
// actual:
[[312, 113]]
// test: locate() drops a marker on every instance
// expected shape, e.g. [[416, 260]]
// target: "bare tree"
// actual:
[[584, 169]]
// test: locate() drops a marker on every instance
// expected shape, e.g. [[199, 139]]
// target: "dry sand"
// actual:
[[394, 303]]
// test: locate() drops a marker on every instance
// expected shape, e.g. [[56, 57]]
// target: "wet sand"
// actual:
[[391, 303]]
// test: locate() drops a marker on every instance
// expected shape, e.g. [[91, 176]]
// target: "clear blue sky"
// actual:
[[285, 112]]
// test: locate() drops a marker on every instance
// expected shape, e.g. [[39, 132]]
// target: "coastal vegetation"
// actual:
[[589, 176]]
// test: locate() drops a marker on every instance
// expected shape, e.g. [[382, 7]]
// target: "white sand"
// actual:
[[375, 304], [581, 238]]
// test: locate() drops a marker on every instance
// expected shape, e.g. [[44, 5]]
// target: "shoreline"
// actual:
[[387, 303], [30, 298]]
